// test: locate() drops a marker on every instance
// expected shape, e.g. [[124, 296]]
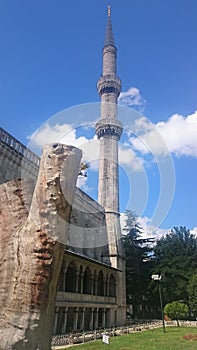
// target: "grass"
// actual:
[[148, 340]]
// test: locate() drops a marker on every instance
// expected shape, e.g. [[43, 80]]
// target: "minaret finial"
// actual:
[[109, 11]]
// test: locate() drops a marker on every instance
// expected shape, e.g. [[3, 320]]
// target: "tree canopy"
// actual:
[[175, 258], [176, 311], [137, 250]]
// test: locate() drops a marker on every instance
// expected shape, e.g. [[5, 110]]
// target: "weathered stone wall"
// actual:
[[16, 160], [31, 249], [87, 232]]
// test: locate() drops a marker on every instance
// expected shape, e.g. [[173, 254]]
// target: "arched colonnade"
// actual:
[[84, 279]]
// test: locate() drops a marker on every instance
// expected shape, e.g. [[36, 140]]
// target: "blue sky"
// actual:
[[51, 60]]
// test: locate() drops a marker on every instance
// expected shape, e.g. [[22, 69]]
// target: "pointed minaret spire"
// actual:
[[109, 37]]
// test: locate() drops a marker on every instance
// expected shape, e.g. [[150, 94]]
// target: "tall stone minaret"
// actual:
[[108, 131]]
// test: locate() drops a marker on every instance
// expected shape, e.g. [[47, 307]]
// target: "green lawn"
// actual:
[[148, 340]]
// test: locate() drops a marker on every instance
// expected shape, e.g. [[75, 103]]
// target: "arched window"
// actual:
[[87, 281], [95, 283], [100, 284], [80, 279], [112, 286], [71, 278], [61, 286]]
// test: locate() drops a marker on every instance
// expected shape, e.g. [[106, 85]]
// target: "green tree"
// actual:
[[192, 292], [176, 311], [175, 258], [138, 265]]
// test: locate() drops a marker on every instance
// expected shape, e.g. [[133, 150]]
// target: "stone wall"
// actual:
[[16, 160], [87, 234]]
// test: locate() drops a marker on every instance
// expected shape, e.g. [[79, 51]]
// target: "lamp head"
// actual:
[[156, 277]]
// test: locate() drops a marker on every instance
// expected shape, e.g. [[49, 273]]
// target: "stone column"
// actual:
[[104, 285], [55, 320], [96, 318], [91, 324], [96, 284], [64, 280], [107, 286], [82, 318], [77, 281], [76, 314], [115, 318], [81, 276], [65, 320], [115, 289], [92, 283]]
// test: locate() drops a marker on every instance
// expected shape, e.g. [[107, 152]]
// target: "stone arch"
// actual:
[[87, 281], [71, 277], [112, 286]]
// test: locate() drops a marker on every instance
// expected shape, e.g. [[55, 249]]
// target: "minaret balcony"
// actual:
[[109, 127], [109, 84]]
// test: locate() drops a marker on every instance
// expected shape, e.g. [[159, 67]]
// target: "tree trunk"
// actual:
[[32, 247]]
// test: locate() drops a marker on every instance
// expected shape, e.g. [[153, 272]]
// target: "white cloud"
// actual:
[[128, 159], [82, 184], [66, 134], [147, 230], [151, 231], [177, 135], [141, 125], [194, 231], [132, 98], [47, 134], [180, 134]]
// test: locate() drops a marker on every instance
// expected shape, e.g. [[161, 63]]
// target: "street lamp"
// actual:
[[158, 278]]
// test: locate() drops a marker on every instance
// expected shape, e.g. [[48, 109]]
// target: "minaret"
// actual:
[[108, 131]]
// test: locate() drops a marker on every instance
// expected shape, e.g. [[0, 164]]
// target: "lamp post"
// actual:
[[158, 278]]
